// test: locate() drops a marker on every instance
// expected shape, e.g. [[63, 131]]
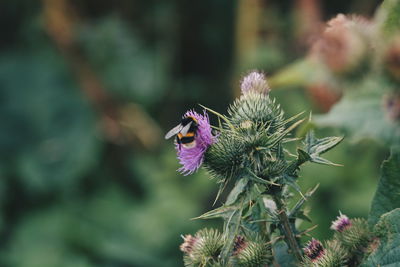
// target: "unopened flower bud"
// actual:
[[341, 223], [342, 46], [251, 253], [254, 82]]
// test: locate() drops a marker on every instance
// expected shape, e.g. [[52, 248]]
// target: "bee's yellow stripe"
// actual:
[[193, 118]]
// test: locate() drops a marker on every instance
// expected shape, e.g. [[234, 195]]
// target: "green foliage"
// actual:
[[385, 249], [42, 140], [361, 114], [127, 67], [387, 194], [388, 16]]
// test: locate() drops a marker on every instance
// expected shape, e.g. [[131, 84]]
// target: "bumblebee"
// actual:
[[185, 132]]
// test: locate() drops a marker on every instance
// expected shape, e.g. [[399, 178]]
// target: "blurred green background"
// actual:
[[87, 91]]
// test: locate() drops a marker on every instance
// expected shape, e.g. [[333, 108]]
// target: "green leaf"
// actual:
[[314, 147], [361, 115], [302, 157], [230, 232], [297, 208], [302, 72], [387, 196], [221, 212], [240, 186], [387, 251]]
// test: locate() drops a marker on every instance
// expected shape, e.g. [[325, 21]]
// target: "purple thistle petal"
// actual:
[[341, 223], [192, 158], [314, 250], [254, 81]]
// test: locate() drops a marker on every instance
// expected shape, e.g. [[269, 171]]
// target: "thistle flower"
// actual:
[[254, 81], [341, 223], [192, 157], [342, 46], [314, 250], [188, 242]]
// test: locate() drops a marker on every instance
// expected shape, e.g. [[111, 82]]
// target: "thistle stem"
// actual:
[[289, 234]]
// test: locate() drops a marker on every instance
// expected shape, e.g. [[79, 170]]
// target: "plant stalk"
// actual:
[[289, 234]]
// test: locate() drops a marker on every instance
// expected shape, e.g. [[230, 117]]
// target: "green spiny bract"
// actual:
[[205, 248], [251, 253], [333, 255], [258, 109], [251, 139], [224, 158], [355, 237]]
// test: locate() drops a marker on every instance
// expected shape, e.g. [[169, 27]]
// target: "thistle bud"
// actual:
[[254, 82], [343, 45], [333, 255], [324, 95], [204, 247], [251, 253], [341, 223], [255, 121], [314, 250], [356, 236]]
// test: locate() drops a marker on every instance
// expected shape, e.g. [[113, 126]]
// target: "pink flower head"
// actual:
[[188, 243], [342, 45], [314, 250], [191, 157], [342, 222], [254, 81]]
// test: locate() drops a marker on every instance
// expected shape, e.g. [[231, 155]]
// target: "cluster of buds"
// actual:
[[351, 240]]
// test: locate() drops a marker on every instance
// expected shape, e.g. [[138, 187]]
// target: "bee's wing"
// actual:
[[185, 129], [174, 131]]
